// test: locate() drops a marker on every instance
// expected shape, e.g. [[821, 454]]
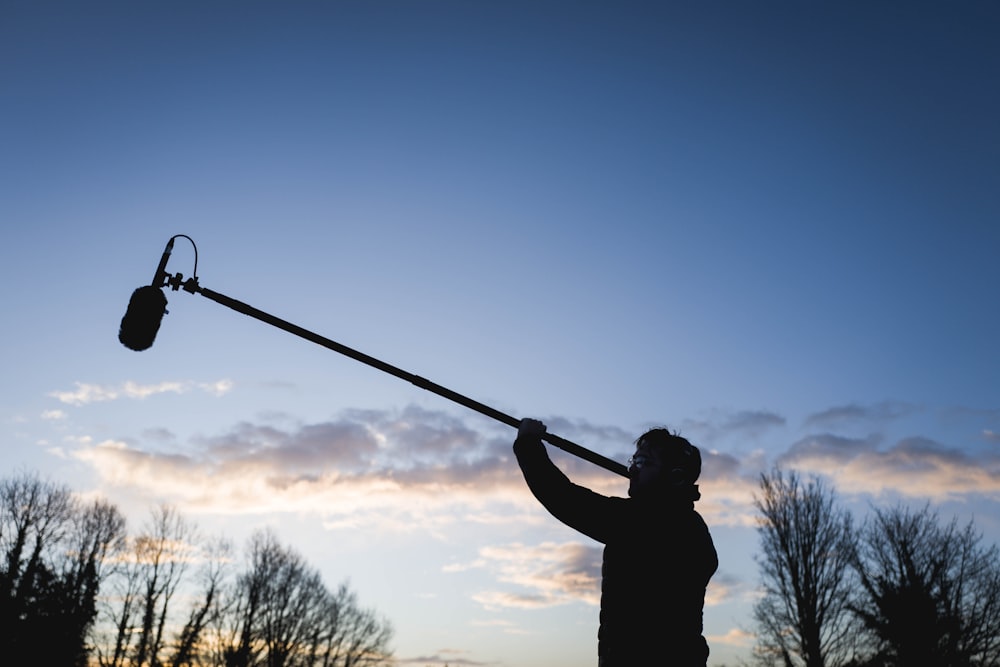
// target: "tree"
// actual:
[[930, 592], [803, 617], [208, 609], [97, 534], [358, 636], [118, 612], [282, 615], [162, 551], [147, 575], [76, 591], [53, 555]]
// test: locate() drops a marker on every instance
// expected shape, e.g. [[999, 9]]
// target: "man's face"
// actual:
[[644, 472]]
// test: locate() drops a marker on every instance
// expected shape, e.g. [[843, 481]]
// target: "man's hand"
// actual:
[[531, 428]]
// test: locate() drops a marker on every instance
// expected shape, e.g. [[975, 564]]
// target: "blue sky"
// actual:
[[771, 226]]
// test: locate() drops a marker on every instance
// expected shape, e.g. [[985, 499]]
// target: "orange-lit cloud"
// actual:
[[544, 575], [417, 469], [912, 467], [411, 468], [406, 471], [734, 637]]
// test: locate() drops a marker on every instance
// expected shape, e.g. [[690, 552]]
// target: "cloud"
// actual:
[[310, 448], [725, 587], [91, 393], [725, 425], [53, 415], [845, 415], [915, 467], [755, 422], [159, 434], [85, 393], [545, 575], [442, 658], [217, 388], [406, 470], [827, 448], [423, 470], [588, 432], [734, 637], [409, 470]]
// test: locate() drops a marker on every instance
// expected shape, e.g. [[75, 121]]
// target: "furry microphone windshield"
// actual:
[[142, 319]]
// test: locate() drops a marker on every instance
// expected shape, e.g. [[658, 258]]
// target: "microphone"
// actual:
[[146, 309]]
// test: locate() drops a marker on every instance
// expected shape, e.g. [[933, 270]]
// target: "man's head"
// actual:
[[662, 460]]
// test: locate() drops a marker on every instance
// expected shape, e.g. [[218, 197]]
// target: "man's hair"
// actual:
[[679, 458]]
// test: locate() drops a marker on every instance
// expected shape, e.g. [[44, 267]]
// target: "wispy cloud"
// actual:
[[827, 447], [755, 422], [442, 658], [915, 467], [402, 471], [417, 469], [725, 587], [724, 425], [735, 637], [544, 575], [867, 415], [409, 469], [86, 393]]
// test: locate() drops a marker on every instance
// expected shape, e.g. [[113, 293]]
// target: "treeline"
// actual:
[[902, 589], [77, 589]]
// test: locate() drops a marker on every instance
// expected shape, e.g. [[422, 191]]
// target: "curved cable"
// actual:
[[194, 273]]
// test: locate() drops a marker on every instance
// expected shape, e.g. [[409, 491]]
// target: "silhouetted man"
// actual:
[[658, 553]]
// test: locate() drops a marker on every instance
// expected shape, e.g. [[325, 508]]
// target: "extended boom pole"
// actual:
[[191, 285]]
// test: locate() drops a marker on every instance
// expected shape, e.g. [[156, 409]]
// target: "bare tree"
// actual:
[[361, 637], [347, 634], [34, 517], [96, 537], [240, 640], [53, 552], [162, 552], [930, 592], [284, 616], [288, 594], [119, 610], [135, 606], [213, 571], [64, 564], [803, 617]]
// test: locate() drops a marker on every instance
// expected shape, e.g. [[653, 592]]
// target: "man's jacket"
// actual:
[[658, 559]]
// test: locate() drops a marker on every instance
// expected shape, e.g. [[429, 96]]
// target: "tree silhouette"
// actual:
[[207, 609], [930, 593], [803, 617], [53, 555], [284, 616], [161, 551], [76, 591]]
